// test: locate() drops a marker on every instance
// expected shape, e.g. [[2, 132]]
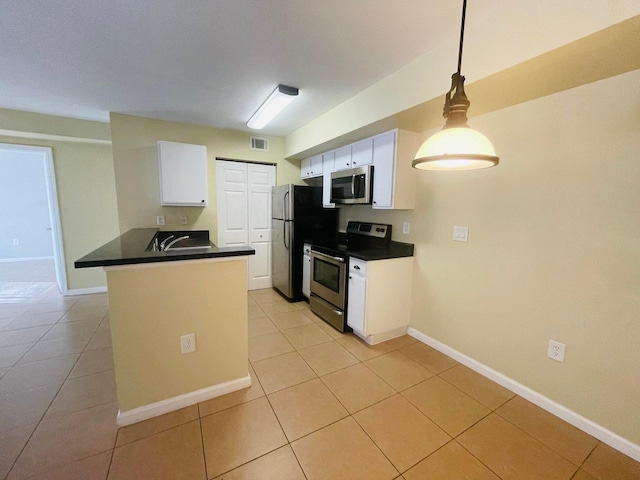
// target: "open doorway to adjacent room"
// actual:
[[31, 254]]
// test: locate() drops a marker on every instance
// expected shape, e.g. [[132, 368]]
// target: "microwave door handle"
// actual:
[[353, 186]]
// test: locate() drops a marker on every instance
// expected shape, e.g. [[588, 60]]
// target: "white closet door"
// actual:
[[244, 213], [231, 193], [260, 180]]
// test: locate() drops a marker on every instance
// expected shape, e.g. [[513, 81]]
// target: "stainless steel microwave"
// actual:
[[352, 186]]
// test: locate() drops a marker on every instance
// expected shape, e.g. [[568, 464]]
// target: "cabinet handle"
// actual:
[[350, 277], [356, 267]]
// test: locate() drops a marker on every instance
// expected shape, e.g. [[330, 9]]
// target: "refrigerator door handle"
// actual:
[[284, 234], [284, 206]]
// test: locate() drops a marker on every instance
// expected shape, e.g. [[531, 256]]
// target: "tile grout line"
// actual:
[[53, 399], [204, 453]]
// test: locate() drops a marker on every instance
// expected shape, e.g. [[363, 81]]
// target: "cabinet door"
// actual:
[[183, 174], [327, 169], [306, 270], [305, 168], [356, 306], [362, 153], [316, 166], [343, 158], [384, 147]]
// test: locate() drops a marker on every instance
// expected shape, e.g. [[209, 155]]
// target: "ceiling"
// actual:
[[211, 62]]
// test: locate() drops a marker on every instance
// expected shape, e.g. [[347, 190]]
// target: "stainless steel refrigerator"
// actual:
[[297, 216]]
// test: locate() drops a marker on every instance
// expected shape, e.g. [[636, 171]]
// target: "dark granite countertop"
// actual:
[[395, 250], [130, 249]]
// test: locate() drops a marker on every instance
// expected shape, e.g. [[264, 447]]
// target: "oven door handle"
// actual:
[[324, 255]]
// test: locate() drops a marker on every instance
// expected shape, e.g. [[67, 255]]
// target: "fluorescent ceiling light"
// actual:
[[272, 106]]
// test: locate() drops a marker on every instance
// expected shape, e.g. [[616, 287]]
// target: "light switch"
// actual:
[[460, 234]]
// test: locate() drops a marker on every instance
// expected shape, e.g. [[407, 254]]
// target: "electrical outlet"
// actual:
[[556, 351], [460, 234], [406, 226], [184, 220], [160, 220], [188, 343]]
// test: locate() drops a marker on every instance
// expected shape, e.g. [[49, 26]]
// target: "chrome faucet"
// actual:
[[165, 241], [173, 242]]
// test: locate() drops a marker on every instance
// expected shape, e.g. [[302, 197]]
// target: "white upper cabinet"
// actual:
[[183, 174], [391, 153], [394, 180], [342, 158], [327, 167], [362, 153], [311, 167], [384, 149]]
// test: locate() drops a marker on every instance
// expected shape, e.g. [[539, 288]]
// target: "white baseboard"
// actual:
[[84, 291], [24, 259], [145, 412], [598, 431]]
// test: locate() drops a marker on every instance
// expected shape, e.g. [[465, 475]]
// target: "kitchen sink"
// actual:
[[179, 241]]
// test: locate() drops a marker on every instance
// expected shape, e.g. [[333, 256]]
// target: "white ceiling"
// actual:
[[211, 62]]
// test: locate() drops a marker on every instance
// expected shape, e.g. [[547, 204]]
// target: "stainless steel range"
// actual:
[[329, 269]]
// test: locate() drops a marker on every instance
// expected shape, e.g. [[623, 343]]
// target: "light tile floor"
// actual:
[[322, 406]]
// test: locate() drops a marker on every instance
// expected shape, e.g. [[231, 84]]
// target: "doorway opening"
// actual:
[[31, 250]]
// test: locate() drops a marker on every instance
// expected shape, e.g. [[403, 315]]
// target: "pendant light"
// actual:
[[456, 146]]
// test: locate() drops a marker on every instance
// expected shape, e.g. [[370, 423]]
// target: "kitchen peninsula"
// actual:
[[155, 298]]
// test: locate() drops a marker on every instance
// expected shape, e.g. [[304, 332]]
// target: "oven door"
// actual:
[[329, 278]]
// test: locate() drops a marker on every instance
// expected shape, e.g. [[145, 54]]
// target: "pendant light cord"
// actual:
[[464, 14]]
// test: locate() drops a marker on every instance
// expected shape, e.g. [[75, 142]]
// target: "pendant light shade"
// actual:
[[456, 146]]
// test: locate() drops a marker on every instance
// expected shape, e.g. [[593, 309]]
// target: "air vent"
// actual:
[[260, 144]]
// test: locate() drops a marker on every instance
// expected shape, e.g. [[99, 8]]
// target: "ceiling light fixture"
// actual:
[[272, 106], [456, 146]]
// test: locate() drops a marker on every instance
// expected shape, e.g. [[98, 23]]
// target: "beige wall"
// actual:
[[152, 306], [553, 250], [84, 180], [545, 40], [136, 168]]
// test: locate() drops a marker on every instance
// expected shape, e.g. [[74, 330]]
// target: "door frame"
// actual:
[[54, 208]]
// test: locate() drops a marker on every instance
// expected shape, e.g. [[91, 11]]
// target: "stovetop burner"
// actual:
[[360, 236]]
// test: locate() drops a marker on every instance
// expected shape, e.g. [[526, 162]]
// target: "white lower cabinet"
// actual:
[[379, 298], [306, 270]]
